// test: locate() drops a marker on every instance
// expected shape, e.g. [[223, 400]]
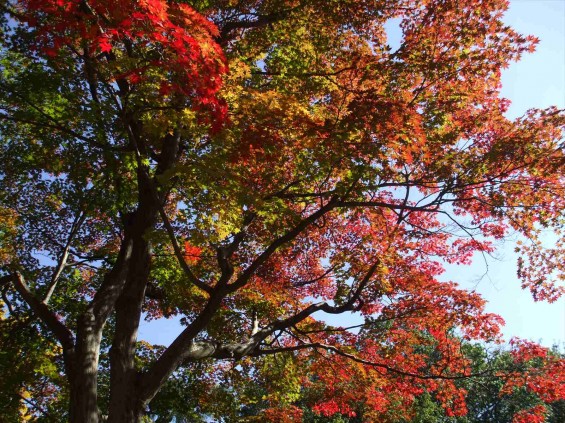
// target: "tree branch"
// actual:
[[61, 332], [178, 253], [55, 126], [274, 246], [349, 305], [431, 207], [260, 21], [225, 253], [315, 345], [182, 348], [64, 257], [103, 302]]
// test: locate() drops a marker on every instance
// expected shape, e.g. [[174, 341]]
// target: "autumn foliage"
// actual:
[[180, 54], [256, 168]]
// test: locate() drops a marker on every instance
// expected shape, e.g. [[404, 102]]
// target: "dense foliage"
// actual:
[[253, 166]]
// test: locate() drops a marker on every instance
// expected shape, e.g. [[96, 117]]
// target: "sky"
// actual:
[[538, 80]]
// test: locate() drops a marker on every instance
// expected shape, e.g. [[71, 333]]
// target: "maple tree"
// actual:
[[254, 165]]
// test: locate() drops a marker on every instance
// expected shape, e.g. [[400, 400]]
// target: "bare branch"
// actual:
[[55, 126], [37, 407], [316, 279], [366, 324], [349, 305]]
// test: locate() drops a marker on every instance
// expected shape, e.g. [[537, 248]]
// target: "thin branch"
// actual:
[[349, 305], [62, 263], [306, 74], [5, 9], [361, 325], [178, 253], [55, 126], [316, 279], [36, 406], [279, 242], [171, 233], [431, 207], [316, 345]]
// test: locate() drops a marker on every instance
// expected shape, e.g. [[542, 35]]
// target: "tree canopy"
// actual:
[[253, 166]]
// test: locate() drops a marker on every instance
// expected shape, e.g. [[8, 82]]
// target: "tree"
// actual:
[[491, 397], [251, 166]]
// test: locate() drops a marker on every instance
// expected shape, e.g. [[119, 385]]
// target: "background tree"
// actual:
[[489, 398], [324, 172]]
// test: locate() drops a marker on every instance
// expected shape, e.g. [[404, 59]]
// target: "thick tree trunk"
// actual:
[[83, 363], [84, 378], [131, 410], [124, 403]]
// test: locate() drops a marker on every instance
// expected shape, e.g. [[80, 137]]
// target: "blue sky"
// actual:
[[538, 80]]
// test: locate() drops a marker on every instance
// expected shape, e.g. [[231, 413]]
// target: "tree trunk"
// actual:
[[83, 361], [124, 403], [84, 378], [131, 410]]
